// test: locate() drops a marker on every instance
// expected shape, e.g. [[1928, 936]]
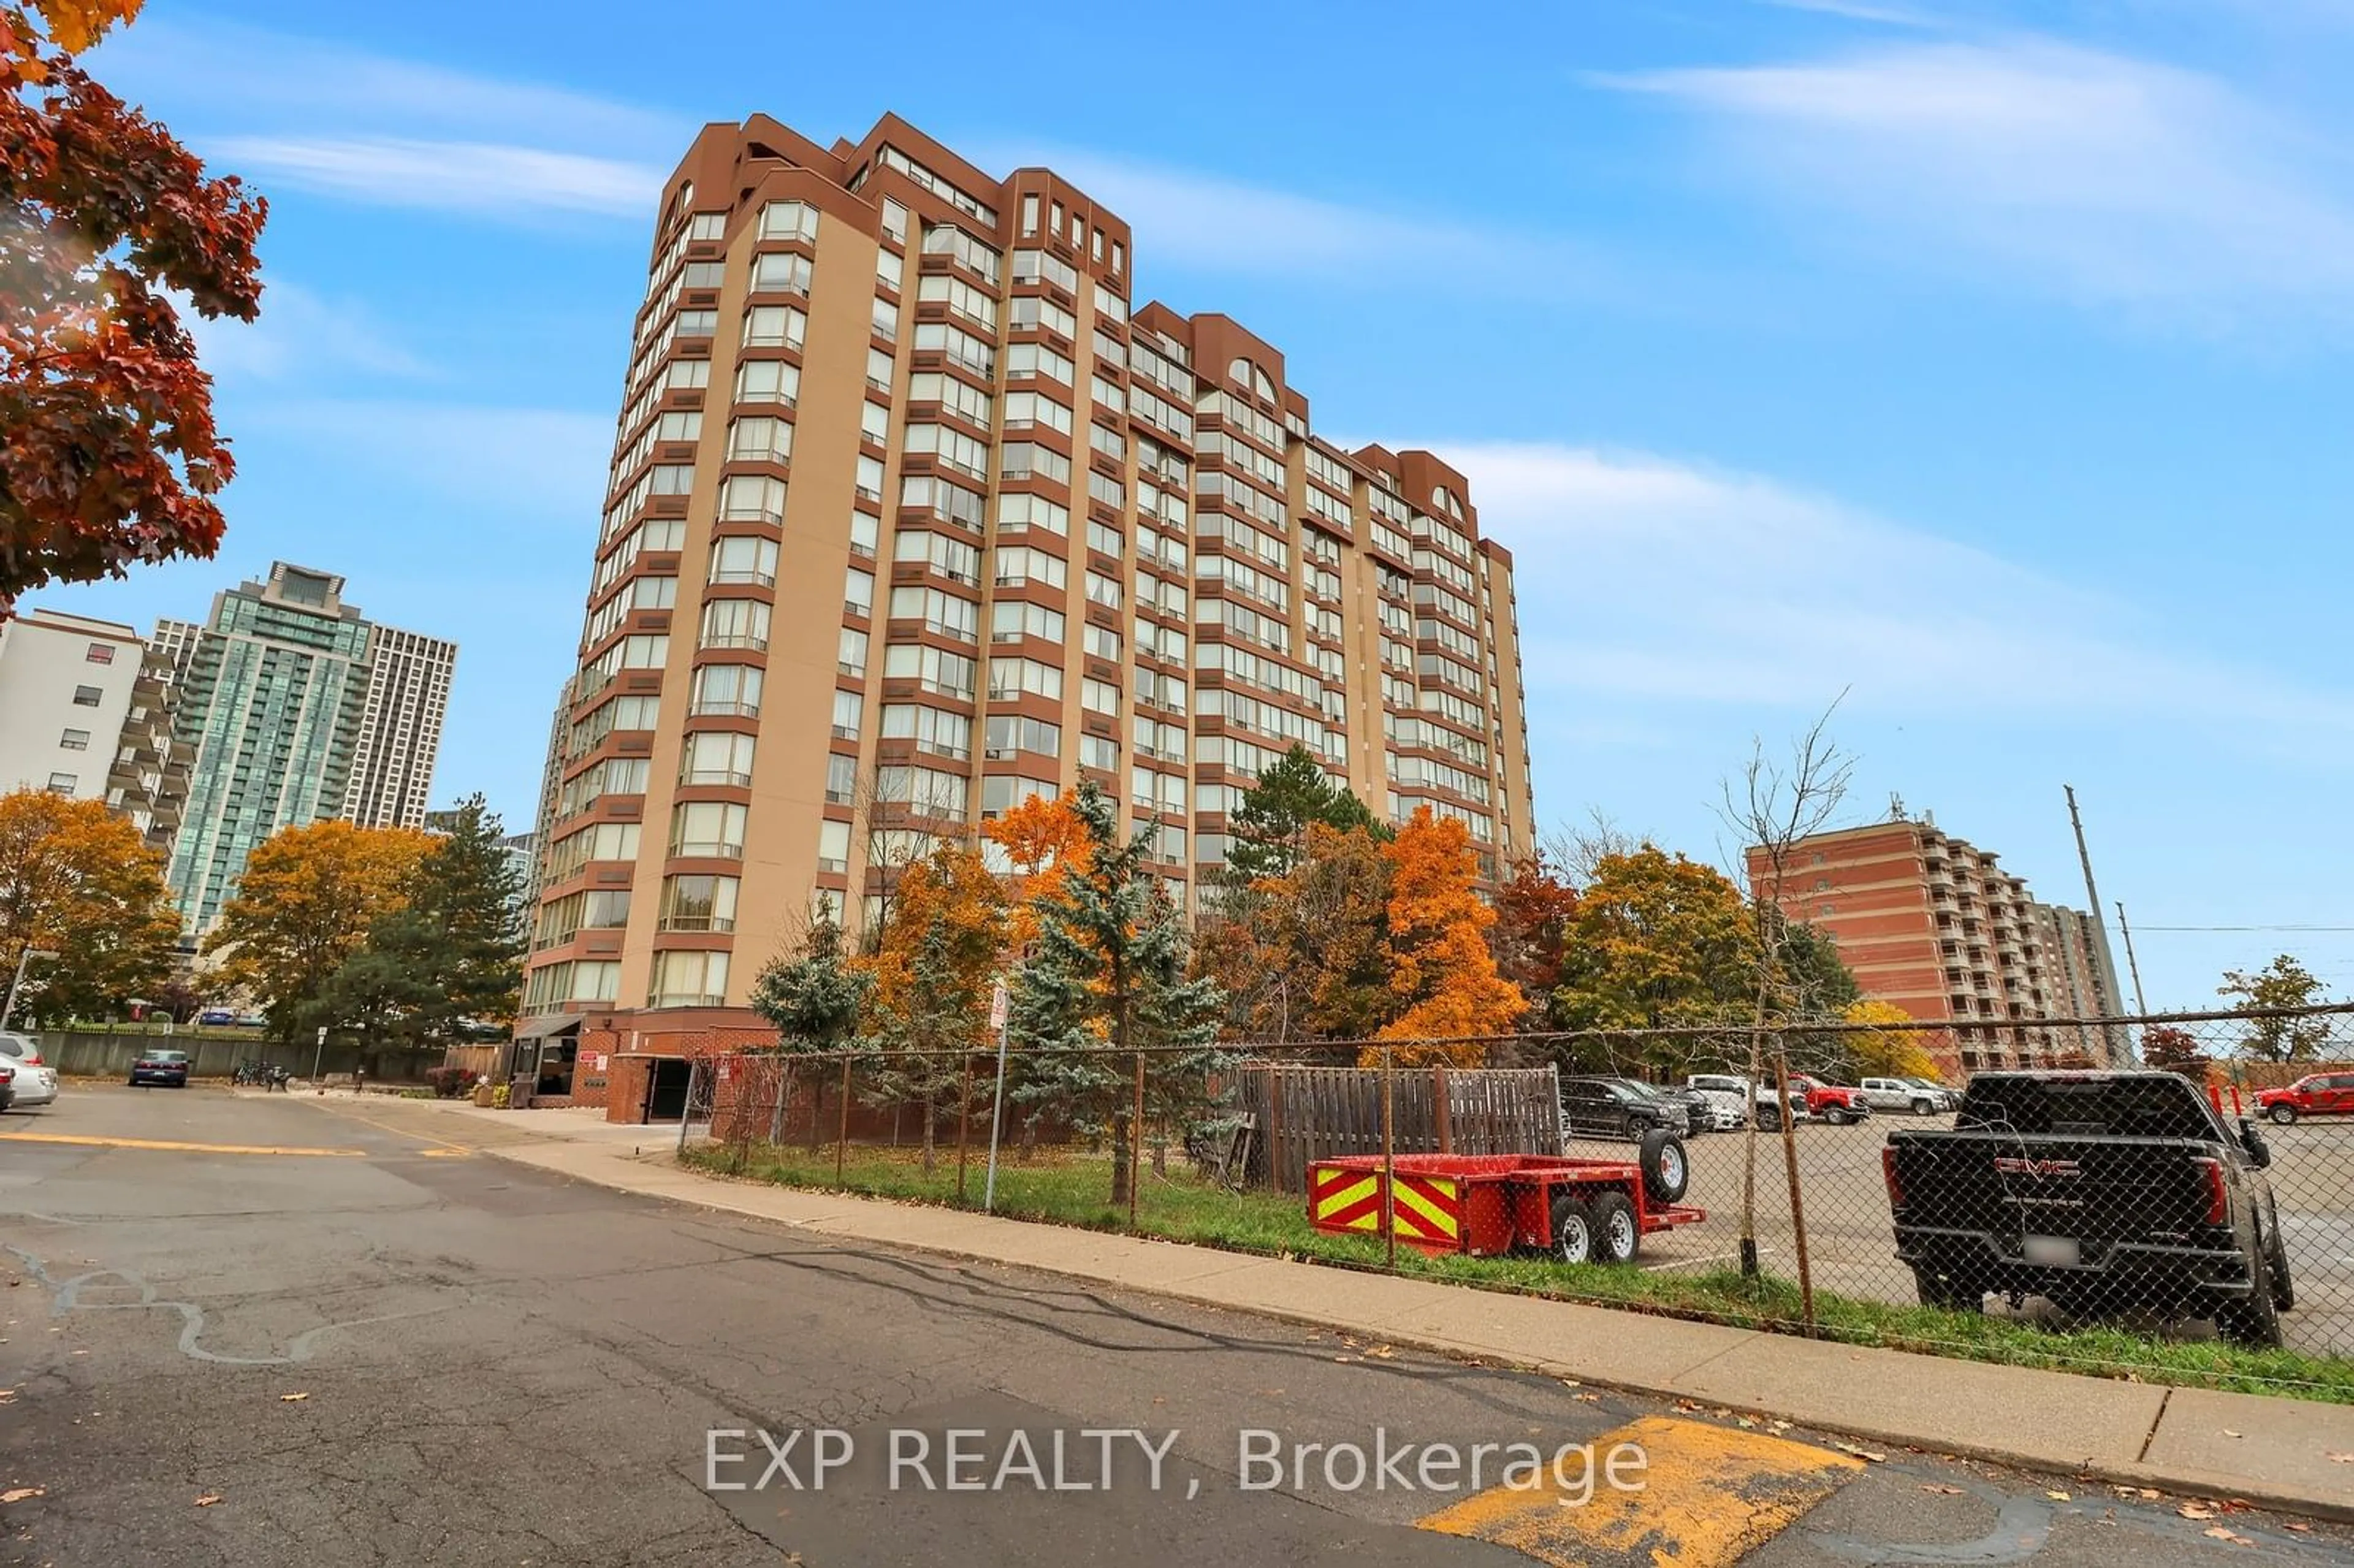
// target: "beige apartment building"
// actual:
[[1934, 924], [916, 511]]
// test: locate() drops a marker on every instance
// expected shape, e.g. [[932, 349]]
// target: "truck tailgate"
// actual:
[[2096, 1190]]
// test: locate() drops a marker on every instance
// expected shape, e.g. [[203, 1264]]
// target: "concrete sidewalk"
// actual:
[[2286, 1452]]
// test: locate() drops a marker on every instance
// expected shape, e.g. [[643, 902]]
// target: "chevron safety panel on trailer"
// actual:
[[1428, 1209]]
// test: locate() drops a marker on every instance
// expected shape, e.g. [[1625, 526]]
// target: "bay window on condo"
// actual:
[[951, 557], [730, 691], [933, 669], [922, 792], [688, 980], [780, 272], [768, 381], [752, 498], [1032, 511], [736, 623], [935, 730], [737, 559], [759, 438], [940, 612], [1010, 620], [708, 830], [721, 758], [698, 902], [849, 715], [775, 326], [1000, 793]]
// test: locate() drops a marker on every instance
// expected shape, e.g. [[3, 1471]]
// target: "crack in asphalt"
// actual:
[[66, 1297]]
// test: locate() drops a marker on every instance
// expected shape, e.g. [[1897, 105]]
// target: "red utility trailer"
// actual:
[[1483, 1205]]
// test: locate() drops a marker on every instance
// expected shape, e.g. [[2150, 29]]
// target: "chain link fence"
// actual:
[[1992, 1169]]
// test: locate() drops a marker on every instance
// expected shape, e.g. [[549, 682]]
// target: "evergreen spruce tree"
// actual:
[[813, 998], [1270, 826], [448, 958], [1106, 976]]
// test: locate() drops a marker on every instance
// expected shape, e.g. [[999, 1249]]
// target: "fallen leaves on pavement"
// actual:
[[291, 1398], [1940, 1489], [2194, 1510], [208, 1500], [18, 1494], [1866, 1453]]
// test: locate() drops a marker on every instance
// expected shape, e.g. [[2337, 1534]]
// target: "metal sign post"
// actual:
[[998, 1008], [319, 1058]]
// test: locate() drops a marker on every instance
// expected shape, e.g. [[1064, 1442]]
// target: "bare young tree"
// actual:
[[900, 812], [1770, 807], [1580, 848]]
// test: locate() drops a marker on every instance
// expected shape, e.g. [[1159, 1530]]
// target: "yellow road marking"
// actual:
[[443, 1153], [170, 1144], [1710, 1496]]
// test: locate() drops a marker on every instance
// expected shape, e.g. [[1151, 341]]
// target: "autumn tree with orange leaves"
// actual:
[[1044, 842], [932, 978], [1441, 971], [109, 455], [307, 900], [78, 881]]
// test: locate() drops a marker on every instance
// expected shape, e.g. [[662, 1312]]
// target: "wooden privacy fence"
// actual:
[[1304, 1114]]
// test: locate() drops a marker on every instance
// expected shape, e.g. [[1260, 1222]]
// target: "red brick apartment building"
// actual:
[[1934, 924], [917, 510]]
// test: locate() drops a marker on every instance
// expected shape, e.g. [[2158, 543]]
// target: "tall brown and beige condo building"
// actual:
[[915, 512]]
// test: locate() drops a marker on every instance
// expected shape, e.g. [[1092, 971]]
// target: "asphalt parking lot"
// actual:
[[256, 1331], [1851, 1242]]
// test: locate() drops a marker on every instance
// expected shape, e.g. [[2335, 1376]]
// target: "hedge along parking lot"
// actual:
[[1679, 1273]]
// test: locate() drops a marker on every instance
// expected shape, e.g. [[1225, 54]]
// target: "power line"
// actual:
[[2248, 927]]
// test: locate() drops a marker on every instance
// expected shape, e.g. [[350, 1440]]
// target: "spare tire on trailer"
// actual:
[[1667, 1169]]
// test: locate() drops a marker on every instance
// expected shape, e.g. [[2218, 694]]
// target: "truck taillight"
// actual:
[[1888, 1174], [2219, 1197]]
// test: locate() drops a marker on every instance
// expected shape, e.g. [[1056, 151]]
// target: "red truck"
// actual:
[[2315, 1094], [1833, 1103]]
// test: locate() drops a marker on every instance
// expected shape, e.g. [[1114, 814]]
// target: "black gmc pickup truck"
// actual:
[[2102, 1192]]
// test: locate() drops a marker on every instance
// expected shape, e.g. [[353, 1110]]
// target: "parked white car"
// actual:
[[1901, 1094], [1731, 1099], [36, 1081]]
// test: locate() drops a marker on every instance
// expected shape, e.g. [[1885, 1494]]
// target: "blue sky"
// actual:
[[1985, 361]]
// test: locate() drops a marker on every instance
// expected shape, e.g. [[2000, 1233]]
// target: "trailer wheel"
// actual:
[[1667, 1169], [1573, 1229], [1618, 1234]]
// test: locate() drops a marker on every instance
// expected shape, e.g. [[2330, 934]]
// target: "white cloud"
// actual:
[[2094, 175], [469, 176], [1656, 582], [1207, 223], [539, 465], [1857, 11], [263, 77], [299, 333], [295, 113]]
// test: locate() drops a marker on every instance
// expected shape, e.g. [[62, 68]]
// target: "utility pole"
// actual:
[[2093, 898], [2131, 962]]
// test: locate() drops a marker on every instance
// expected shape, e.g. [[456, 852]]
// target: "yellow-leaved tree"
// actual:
[[77, 881], [932, 978], [305, 902], [1441, 971], [1895, 1048]]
